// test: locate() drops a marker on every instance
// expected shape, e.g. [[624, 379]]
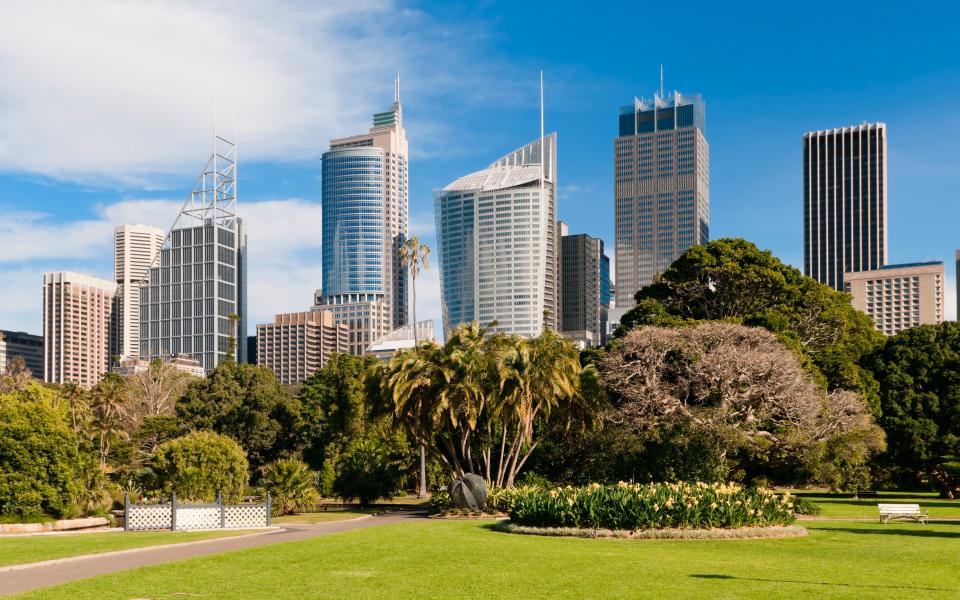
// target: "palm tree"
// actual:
[[291, 486], [109, 407], [412, 255]]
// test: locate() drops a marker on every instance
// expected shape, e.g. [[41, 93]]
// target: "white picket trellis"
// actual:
[[187, 517]]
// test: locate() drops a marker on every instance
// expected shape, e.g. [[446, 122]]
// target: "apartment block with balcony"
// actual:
[[296, 345], [899, 297]]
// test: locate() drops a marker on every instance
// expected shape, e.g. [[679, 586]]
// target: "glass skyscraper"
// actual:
[[195, 298], [497, 243], [365, 219], [661, 188]]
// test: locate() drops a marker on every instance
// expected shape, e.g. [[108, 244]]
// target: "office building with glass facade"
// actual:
[[365, 219], [18, 344], [585, 299], [497, 243], [661, 188], [844, 202]]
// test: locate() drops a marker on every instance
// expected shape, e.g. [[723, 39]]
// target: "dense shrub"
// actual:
[[200, 464], [367, 474], [38, 453], [652, 506], [292, 487]]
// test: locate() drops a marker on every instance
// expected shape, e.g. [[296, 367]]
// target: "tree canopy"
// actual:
[[730, 279], [919, 375]]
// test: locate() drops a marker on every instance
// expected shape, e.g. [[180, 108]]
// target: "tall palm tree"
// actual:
[[109, 408], [413, 255]]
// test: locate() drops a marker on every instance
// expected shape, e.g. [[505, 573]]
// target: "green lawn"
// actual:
[[444, 559], [34, 548], [842, 506], [322, 517]]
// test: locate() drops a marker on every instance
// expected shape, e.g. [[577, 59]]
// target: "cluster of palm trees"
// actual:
[[483, 402]]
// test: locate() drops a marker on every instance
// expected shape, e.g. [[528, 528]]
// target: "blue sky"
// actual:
[[106, 110]]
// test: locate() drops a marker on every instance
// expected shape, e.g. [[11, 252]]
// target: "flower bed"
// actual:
[[632, 507], [741, 533]]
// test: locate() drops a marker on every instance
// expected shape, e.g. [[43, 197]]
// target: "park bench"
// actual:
[[864, 494], [902, 511]]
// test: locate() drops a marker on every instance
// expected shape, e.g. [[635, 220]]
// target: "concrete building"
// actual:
[[899, 297], [296, 345], [135, 248], [585, 300], [29, 347], [365, 220], [844, 202], [401, 339], [78, 327], [180, 362], [661, 188], [196, 301], [497, 239]]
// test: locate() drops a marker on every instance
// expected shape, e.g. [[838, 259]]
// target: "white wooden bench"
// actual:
[[902, 511]]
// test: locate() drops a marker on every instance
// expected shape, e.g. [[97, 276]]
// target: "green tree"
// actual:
[[291, 486], [247, 403], [109, 414], [38, 455], [200, 464], [368, 473], [731, 279], [919, 375]]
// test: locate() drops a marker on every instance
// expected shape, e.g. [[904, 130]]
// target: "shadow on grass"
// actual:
[[917, 531], [872, 586]]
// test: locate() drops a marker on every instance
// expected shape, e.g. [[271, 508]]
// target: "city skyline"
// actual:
[[75, 203]]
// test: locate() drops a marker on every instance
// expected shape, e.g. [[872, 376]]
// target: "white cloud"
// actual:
[[283, 240]]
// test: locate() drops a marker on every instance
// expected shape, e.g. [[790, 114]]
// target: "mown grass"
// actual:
[[468, 559], [842, 506], [15, 550]]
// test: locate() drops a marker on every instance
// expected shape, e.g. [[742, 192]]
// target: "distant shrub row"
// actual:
[[628, 506]]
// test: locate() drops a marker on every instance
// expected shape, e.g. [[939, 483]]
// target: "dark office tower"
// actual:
[[661, 188], [585, 276], [844, 202]]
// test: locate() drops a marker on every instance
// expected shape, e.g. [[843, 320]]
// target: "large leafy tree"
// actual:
[[200, 464], [734, 392], [731, 279], [481, 404], [919, 375], [247, 403]]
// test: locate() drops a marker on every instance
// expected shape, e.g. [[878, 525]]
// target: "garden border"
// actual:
[[741, 533]]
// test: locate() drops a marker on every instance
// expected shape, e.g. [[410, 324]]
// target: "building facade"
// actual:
[[365, 221], [29, 347], [180, 362], [402, 338], [296, 345], [78, 327], [844, 202], [899, 297], [135, 249], [661, 188], [497, 239], [585, 273], [196, 300]]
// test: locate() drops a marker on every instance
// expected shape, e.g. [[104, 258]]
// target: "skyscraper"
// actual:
[[365, 220], [585, 272], [134, 249], [78, 326], [18, 344], [661, 188], [497, 243], [296, 345], [196, 300], [844, 202], [899, 297]]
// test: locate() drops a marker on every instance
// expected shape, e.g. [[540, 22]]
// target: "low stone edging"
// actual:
[[62, 525], [742, 533]]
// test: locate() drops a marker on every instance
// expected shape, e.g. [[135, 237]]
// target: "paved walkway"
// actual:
[[30, 578]]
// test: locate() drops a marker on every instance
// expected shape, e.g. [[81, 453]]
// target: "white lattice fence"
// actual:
[[245, 515], [148, 516], [198, 517]]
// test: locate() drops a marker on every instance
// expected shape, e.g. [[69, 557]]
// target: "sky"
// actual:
[[107, 108]]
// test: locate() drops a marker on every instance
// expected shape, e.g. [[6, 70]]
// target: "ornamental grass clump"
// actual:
[[630, 506]]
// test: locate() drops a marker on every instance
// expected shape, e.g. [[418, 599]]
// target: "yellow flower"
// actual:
[[713, 505]]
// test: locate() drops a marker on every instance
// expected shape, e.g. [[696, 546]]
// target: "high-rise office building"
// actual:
[[196, 300], [497, 243], [78, 327], [14, 344], [296, 345], [585, 273], [844, 202], [135, 248], [661, 188], [899, 297], [365, 219]]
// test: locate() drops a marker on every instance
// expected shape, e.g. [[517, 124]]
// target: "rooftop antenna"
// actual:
[[543, 151], [661, 81], [396, 91]]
